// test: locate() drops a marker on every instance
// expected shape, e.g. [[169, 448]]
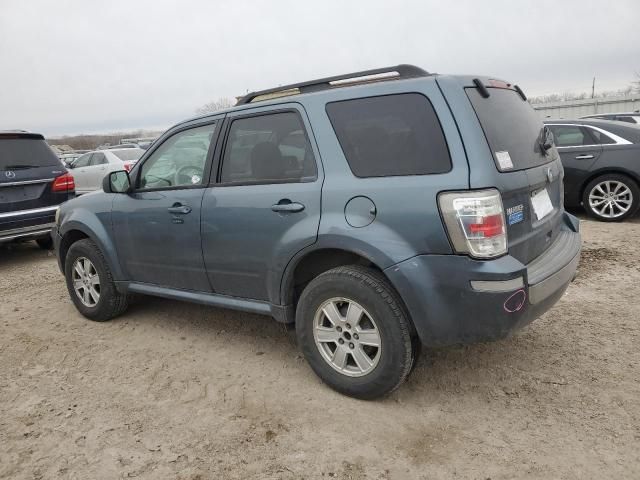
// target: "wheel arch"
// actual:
[[74, 229], [310, 263]]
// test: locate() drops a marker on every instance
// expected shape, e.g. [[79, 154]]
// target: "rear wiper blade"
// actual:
[[20, 167]]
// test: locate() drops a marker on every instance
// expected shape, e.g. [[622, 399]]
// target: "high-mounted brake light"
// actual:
[[64, 183], [475, 222]]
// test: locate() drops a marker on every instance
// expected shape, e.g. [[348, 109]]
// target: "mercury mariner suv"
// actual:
[[377, 211]]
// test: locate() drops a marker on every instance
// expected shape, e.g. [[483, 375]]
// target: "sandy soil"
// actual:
[[172, 390]]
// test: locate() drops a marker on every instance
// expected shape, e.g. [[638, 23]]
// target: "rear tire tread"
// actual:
[[388, 383]]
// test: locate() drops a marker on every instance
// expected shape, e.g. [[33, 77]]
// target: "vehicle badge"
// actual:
[[549, 175], [10, 174]]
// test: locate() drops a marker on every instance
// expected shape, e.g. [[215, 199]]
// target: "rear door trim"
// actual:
[[29, 212], [27, 182]]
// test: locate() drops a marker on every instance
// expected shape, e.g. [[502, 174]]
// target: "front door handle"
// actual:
[[288, 206], [584, 157], [178, 208]]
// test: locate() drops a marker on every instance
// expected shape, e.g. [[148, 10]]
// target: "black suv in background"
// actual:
[[33, 182]]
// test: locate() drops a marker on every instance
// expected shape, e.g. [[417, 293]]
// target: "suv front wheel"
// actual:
[[353, 331], [90, 283]]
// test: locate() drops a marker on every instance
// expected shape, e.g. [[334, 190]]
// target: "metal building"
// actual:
[[579, 108]]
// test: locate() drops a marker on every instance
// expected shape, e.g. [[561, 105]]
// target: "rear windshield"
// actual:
[[128, 154], [26, 153], [512, 127]]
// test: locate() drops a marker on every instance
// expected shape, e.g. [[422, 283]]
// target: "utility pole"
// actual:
[[593, 88]]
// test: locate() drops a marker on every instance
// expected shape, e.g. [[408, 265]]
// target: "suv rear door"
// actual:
[[265, 205], [528, 176]]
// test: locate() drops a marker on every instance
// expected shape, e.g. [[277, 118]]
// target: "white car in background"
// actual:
[[89, 169]]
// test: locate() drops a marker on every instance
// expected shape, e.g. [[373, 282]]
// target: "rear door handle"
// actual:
[[584, 157], [180, 209], [287, 206]]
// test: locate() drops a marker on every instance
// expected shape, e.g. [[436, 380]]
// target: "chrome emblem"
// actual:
[[549, 175], [9, 174]]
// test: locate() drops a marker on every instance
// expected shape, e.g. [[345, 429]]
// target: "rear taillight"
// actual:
[[127, 166], [64, 183], [475, 222]]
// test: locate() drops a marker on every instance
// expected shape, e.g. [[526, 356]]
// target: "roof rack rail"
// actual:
[[401, 71]]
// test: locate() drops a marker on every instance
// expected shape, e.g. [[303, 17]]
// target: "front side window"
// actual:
[[180, 160], [270, 148], [82, 161], [390, 135]]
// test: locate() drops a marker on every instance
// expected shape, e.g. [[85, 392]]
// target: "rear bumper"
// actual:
[[27, 224], [456, 299], [26, 233]]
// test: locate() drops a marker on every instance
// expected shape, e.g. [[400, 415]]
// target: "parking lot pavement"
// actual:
[[173, 390]]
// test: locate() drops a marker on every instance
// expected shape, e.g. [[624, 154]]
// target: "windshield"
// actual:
[[26, 153], [128, 154], [512, 128]]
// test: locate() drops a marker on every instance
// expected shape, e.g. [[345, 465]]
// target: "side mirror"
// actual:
[[117, 182]]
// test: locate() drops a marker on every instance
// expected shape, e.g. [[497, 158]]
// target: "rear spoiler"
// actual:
[[493, 83], [18, 134]]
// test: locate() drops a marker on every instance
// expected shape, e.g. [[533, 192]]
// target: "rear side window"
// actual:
[[128, 154], [626, 119], [391, 135], [19, 152], [600, 138], [570, 136], [270, 148], [97, 159], [512, 128]]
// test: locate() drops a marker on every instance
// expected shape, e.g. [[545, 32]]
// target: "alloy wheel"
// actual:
[[86, 281], [347, 337], [610, 199]]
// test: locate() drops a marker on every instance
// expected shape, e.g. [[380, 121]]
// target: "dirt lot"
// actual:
[[172, 390]]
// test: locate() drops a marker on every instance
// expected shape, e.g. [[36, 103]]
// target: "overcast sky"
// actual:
[[81, 66]]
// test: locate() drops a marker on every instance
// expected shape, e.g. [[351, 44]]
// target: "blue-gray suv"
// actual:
[[377, 211]]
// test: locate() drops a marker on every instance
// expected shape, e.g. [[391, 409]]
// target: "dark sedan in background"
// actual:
[[601, 161]]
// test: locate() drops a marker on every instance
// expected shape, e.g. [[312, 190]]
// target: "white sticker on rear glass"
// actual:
[[504, 160]]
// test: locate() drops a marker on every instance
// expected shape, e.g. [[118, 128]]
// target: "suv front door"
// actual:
[[265, 205], [157, 226]]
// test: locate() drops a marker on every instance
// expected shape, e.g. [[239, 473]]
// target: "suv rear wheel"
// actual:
[[354, 332], [90, 283], [611, 197]]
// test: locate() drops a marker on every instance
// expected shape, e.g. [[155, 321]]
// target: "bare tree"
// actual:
[[219, 104], [635, 85]]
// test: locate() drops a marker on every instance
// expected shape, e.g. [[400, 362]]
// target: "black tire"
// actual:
[[45, 243], [111, 303], [613, 177], [372, 291]]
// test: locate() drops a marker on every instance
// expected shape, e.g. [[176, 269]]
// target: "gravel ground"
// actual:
[[173, 390]]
